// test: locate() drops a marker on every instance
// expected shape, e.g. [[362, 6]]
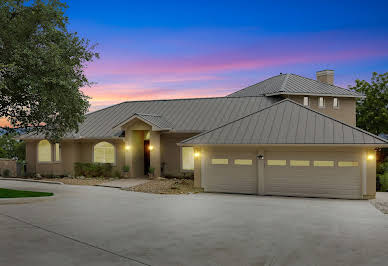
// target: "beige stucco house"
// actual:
[[287, 135]]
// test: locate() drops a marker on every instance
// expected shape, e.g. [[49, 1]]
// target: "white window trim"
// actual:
[[338, 103], [308, 101], [114, 152], [323, 101], [181, 163]]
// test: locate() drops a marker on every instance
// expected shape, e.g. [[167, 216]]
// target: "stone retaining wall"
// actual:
[[8, 164]]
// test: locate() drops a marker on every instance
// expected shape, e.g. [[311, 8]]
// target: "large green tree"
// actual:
[[42, 68], [372, 111]]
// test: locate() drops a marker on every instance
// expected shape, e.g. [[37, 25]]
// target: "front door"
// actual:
[[146, 156]]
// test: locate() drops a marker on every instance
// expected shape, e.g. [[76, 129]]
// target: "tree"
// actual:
[[42, 68], [372, 111], [11, 148]]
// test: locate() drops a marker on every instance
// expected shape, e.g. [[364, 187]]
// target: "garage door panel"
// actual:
[[314, 181], [231, 178]]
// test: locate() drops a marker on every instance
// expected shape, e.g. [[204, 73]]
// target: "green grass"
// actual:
[[11, 193]]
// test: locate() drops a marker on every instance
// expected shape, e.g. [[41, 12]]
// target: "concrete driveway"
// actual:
[[106, 226]]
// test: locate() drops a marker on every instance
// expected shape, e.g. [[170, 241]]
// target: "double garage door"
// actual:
[[296, 173]]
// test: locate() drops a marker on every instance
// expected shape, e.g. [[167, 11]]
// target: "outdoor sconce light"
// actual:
[[371, 157], [127, 147], [260, 157], [150, 147], [197, 154]]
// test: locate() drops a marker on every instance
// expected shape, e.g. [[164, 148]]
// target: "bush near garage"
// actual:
[[93, 169], [382, 175]]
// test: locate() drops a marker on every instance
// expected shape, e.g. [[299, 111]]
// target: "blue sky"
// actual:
[[176, 49]]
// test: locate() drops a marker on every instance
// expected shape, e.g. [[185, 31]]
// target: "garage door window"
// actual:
[[347, 164], [299, 163], [276, 162], [220, 161], [324, 163], [187, 158], [243, 162]]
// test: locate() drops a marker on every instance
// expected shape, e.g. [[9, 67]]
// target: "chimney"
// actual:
[[326, 76]]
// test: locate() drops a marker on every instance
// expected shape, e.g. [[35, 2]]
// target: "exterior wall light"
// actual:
[[371, 157], [150, 147], [127, 147], [196, 154]]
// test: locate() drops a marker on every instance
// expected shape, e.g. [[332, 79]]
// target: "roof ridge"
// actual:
[[235, 120], [284, 82], [256, 84], [279, 102]]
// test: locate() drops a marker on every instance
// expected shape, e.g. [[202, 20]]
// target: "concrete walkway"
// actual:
[[124, 183], [88, 225]]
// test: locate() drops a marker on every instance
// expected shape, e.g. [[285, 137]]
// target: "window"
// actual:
[[57, 152], [187, 158], [306, 101], [324, 163], [321, 102], [104, 152], [44, 151], [299, 163], [347, 164], [335, 103], [243, 162], [220, 161], [277, 162]]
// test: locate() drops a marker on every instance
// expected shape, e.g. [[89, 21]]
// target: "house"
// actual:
[[287, 135]]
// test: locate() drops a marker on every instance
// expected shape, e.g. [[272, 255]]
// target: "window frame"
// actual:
[[219, 158], [296, 160], [181, 161], [323, 102], [51, 153], [338, 103], [321, 161], [242, 164], [308, 100], [55, 159], [114, 152], [276, 165]]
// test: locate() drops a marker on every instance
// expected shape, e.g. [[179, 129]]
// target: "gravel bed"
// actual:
[[167, 186], [381, 205], [80, 181]]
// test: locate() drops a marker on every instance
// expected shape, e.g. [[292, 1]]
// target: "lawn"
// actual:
[[11, 193]]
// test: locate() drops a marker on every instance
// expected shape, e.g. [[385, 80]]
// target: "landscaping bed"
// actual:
[[11, 193], [167, 186], [80, 181]]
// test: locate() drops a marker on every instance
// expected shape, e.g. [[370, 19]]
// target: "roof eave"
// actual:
[[366, 145], [314, 94]]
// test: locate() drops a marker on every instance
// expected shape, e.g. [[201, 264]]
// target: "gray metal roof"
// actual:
[[185, 115], [153, 119], [293, 84], [285, 122]]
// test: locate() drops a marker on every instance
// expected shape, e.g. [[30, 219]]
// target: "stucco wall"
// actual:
[[71, 152], [8, 164], [170, 152], [345, 113]]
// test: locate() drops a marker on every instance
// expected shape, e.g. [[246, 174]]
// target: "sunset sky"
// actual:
[[177, 49]]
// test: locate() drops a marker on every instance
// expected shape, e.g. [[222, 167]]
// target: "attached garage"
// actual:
[[313, 174], [290, 150]]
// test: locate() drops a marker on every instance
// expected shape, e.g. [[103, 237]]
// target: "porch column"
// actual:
[[128, 151], [155, 152]]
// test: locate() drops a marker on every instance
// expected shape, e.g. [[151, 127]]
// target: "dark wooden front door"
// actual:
[[146, 156]]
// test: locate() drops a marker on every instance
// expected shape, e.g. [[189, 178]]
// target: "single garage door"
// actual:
[[313, 174], [230, 172]]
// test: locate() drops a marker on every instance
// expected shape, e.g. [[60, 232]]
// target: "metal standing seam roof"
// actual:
[[285, 122], [186, 115], [289, 84], [153, 119]]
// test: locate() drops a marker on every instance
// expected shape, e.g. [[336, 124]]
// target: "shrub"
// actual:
[[151, 170], [126, 168], [116, 174], [6, 173], [93, 169]]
